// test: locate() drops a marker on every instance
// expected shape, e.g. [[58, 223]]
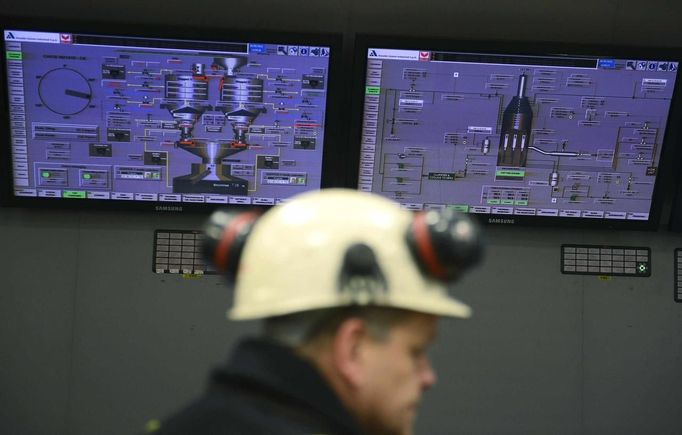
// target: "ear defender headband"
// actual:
[[225, 236], [443, 243]]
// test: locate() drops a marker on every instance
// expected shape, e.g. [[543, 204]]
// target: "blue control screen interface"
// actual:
[[127, 118], [515, 135]]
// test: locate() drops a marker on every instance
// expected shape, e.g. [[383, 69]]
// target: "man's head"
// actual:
[[374, 358], [355, 284]]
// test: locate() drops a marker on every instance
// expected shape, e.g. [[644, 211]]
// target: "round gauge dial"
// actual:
[[64, 91]]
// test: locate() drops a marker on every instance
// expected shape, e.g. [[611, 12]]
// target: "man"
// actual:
[[351, 288]]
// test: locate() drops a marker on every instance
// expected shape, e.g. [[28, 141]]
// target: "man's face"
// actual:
[[397, 372]]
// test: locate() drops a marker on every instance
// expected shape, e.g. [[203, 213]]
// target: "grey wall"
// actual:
[[92, 342]]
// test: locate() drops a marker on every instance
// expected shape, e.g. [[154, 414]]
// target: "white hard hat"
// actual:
[[338, 247]]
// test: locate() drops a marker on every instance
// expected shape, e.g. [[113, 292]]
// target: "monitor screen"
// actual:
[[128, 118], [515, 135]]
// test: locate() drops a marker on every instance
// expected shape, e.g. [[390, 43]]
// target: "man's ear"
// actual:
[[348, 354]]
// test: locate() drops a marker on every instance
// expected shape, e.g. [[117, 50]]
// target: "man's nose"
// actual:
[[428, 375]]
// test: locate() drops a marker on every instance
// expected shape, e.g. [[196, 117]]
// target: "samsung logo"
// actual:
[[501, 221], [168, 208]]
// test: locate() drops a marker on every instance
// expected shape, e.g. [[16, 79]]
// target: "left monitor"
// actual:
[[164, 122]]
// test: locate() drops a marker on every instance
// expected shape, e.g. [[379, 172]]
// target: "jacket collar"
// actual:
[[278, 369]]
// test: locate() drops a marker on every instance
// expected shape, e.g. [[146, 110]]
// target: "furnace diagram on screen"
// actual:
[[180, 122]]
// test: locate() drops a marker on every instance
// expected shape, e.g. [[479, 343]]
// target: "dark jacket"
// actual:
[[264, 389]]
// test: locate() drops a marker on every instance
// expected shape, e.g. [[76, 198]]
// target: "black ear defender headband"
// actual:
[[225, 235], [444, 243]]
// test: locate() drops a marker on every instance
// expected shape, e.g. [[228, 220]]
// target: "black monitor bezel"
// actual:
[[333, 162], [670, 156]]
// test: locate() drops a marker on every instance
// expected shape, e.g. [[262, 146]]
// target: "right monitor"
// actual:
[[547, 134]]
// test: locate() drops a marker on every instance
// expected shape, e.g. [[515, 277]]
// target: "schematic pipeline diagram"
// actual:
[[517, 136]]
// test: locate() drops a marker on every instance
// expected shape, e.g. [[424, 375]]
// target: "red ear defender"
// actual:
[[225, 236], [444, 243]]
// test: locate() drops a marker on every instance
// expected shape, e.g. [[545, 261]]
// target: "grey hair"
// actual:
[[299, 329]]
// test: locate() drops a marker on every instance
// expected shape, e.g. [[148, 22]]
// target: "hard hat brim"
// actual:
[[437, 305]]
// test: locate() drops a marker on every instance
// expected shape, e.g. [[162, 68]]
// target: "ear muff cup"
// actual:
[[444, 243], [225, 235]]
